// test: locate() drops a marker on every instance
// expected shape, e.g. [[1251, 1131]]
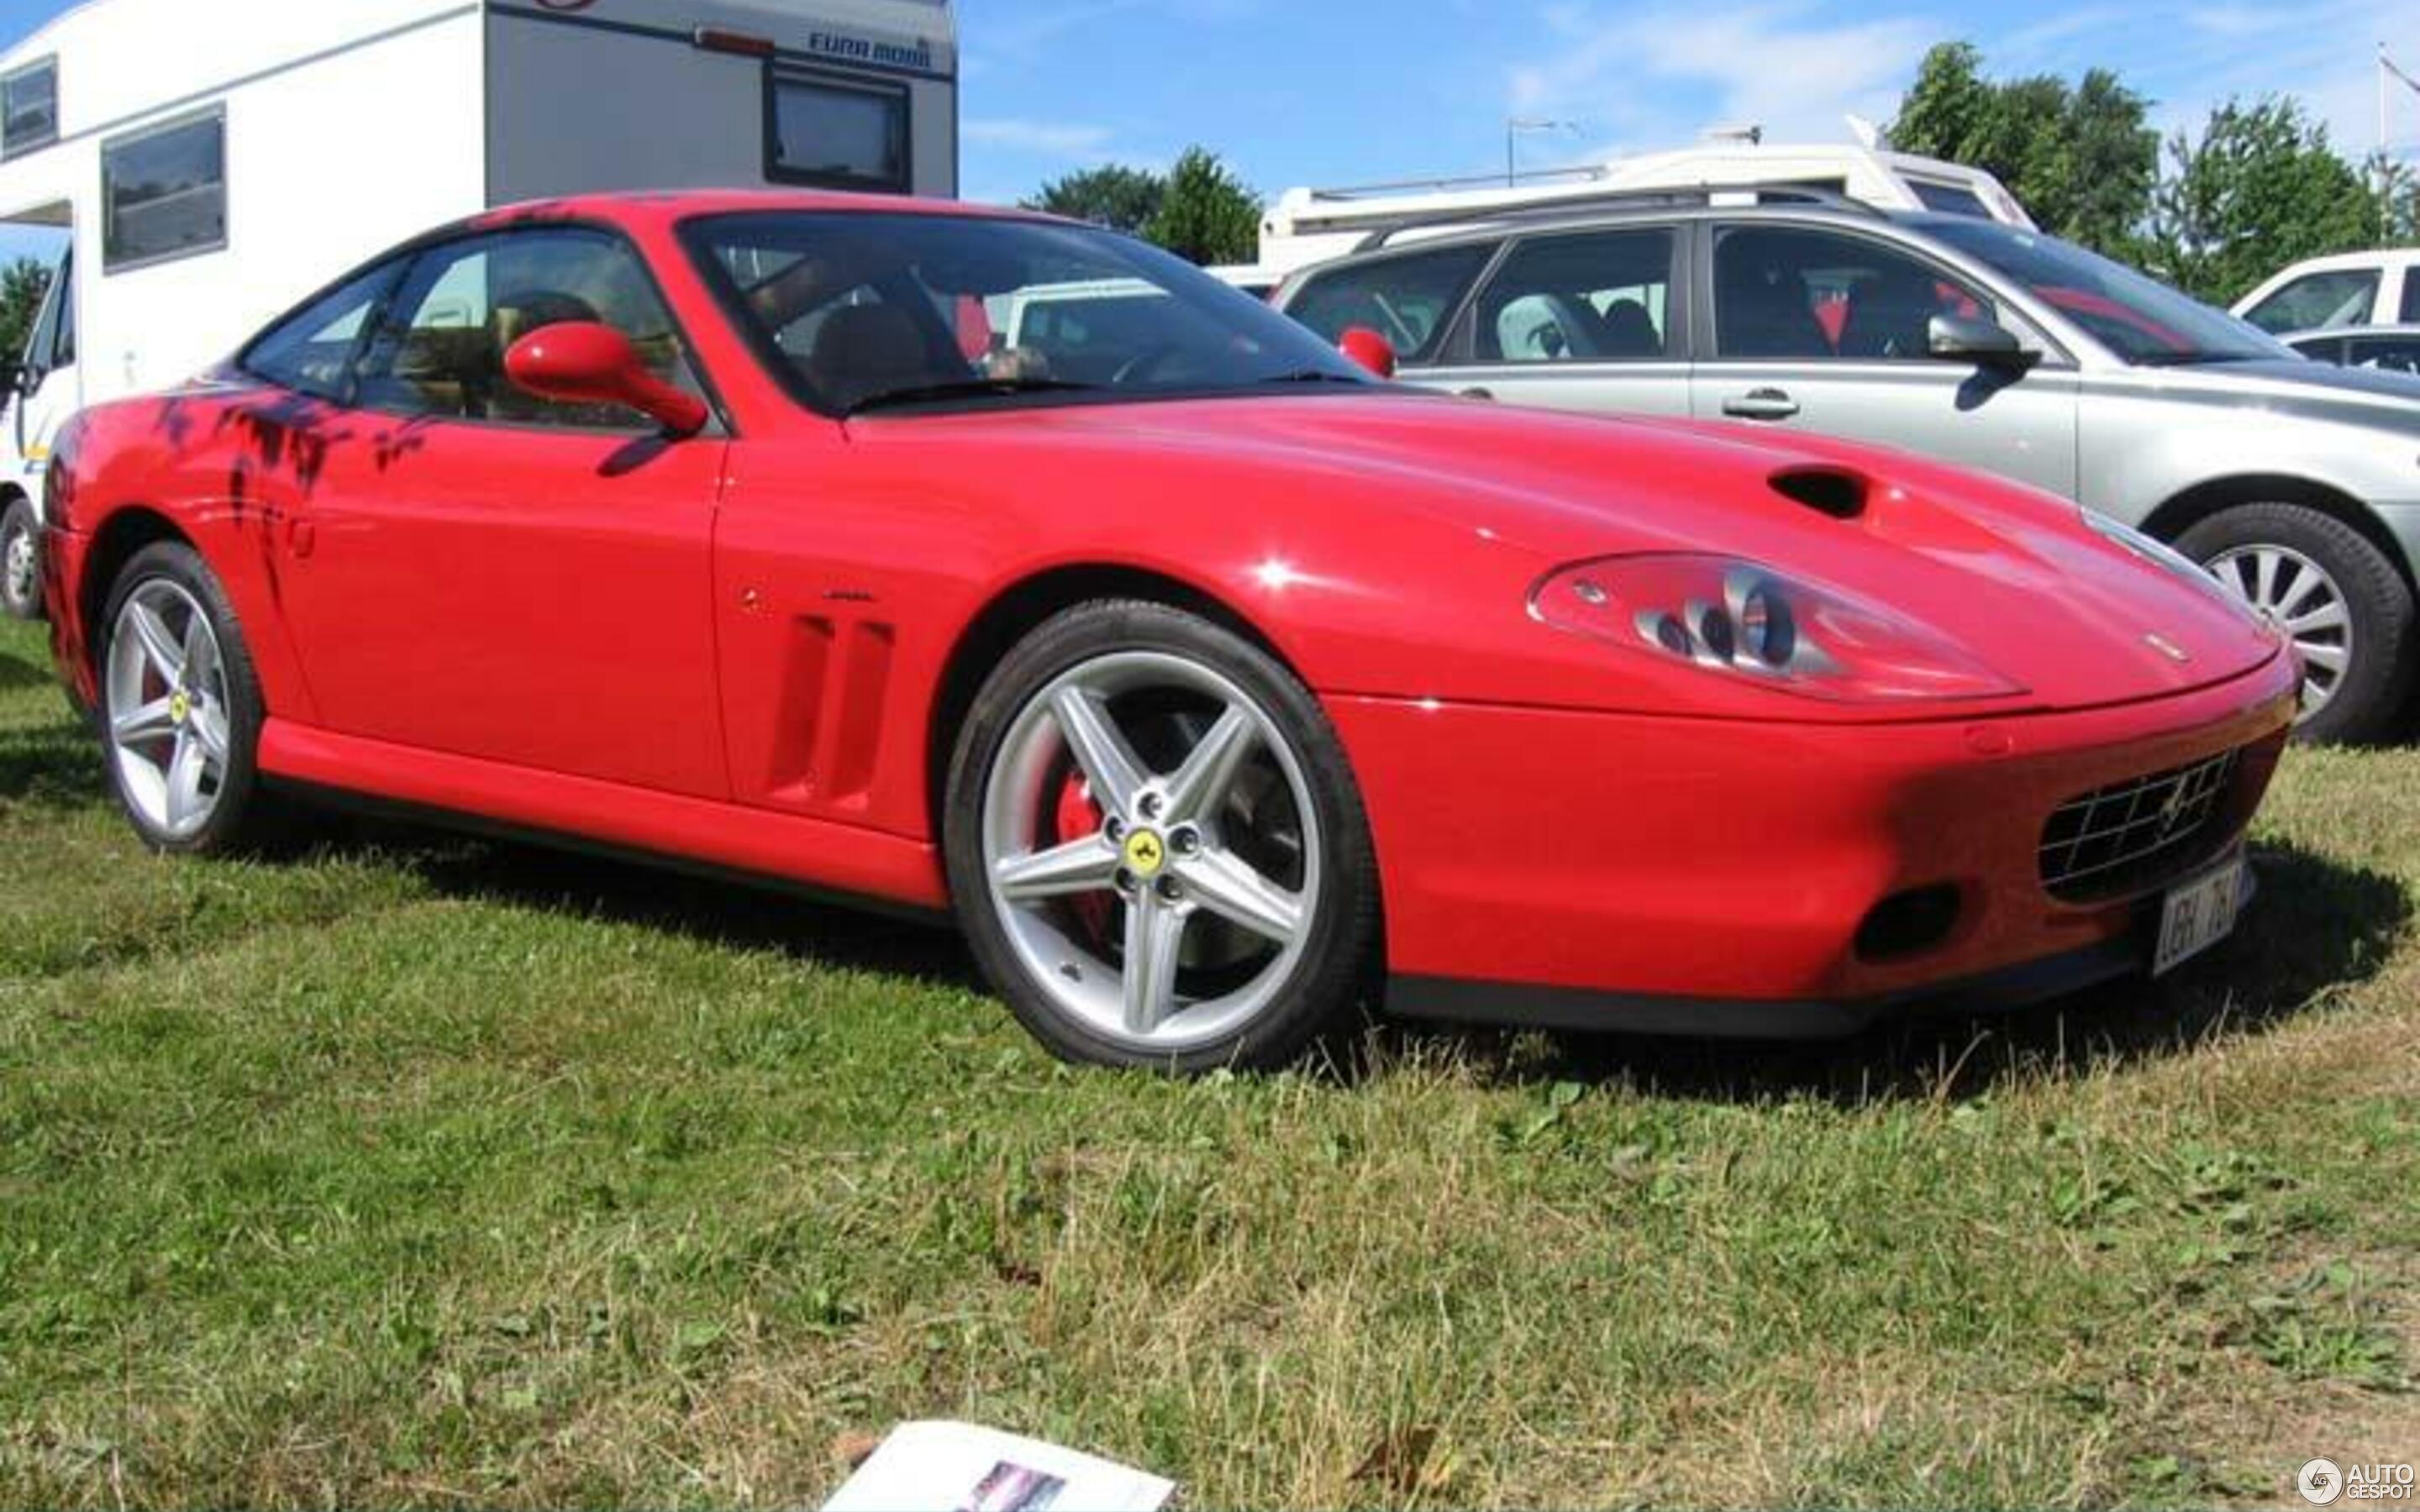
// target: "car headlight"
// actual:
[[1738, 619], [2166, 558]]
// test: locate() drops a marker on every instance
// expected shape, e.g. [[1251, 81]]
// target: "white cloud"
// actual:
[[1074, 140], [1770, 64]]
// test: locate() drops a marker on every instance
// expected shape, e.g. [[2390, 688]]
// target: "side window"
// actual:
[[1601, 298], [439, 349], [2317, 300], [1406, 299], [1784, 293], [2391, 354], [2410, 313], [62, 340], [310, 350], [164, 192], [29, 108]]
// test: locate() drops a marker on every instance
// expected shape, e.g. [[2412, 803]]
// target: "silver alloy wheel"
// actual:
[[2296, 594], [166, 704], [22, 569], [1167, 872]]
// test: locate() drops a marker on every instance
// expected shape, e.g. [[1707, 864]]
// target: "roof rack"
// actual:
[[1616, 199]]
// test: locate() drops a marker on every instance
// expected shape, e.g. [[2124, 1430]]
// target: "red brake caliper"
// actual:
[[1077, 816]]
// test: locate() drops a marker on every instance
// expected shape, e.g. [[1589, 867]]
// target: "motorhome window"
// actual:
[[163, 193], [1950, 199], [29, 108], [2410, 316], [439, 349], [1408, 299], [309, 351], [842, 135], [1600, 298]]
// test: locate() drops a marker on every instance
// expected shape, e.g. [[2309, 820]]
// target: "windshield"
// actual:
[[2139, 318], [858, 312]]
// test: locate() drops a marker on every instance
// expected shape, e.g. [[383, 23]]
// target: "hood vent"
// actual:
[[1825, 491]]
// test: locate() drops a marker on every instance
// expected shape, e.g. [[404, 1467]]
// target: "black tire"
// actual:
[[243, 818], [21, 576], [1324, 986], [2369, 702]]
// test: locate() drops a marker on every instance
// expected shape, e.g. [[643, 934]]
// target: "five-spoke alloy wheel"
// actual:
[[180, 709], [1156, 844]]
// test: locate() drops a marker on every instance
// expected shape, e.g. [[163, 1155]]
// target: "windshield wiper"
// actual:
[[1314, 375], [967, 389]]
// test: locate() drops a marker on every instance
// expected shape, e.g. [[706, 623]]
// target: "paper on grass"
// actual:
[[954, 1467]]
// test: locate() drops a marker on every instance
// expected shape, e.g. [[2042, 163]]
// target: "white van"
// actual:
[[209, 163], [1312, 226], [2350, 288]]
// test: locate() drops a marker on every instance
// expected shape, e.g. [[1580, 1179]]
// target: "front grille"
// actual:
[[2133, 836]]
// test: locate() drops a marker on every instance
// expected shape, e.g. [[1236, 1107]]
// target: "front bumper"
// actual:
[[1703, 877]]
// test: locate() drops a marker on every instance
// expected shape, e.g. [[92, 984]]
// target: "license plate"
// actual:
[[2198, 914]]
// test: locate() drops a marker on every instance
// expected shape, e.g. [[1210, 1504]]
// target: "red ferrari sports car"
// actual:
[[972, 560]]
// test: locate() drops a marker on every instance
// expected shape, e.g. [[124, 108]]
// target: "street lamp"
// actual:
[[1513, 127]]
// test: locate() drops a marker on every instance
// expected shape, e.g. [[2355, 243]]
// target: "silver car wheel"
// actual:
[[22, 569], [165, 700], [1182, 913], [2296, 594]]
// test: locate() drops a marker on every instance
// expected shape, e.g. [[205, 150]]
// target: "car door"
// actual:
[[1587, 320], [1814, 328], [477, 571], [51, 385]]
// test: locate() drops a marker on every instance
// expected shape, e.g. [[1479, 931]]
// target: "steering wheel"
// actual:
[[1146, 361]]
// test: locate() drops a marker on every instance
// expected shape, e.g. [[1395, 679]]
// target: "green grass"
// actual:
[[426, 1171]]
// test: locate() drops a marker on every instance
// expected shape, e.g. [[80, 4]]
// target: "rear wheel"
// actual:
[[1155, 845], [2336, 595], [180, 708], [20, 562]]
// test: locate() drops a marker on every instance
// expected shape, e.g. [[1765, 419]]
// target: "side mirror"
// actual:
[[1958, 338], [1369, 348], [580, 362]]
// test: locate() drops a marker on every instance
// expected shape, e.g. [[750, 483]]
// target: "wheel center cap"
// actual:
[[181, 708], [1145, 853]]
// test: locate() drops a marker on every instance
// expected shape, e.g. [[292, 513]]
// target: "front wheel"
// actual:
[[20, 562], [2335, 596], [180, 708], [1156, 847]]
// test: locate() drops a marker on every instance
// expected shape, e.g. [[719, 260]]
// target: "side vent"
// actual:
[[1825, 491]]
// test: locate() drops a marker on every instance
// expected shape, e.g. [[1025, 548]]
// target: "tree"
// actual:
[[2260, 189], [1121, 198], [22, 283], [2080, 160], [1207, 214]]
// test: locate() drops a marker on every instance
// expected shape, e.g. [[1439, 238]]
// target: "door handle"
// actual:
[[1475, 393], [1761, 404]]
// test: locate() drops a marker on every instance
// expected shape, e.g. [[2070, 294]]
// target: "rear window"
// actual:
[[1950, 199], [1407, 298]]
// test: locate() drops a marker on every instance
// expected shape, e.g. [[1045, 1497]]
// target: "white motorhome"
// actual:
[[1312, 225], [213, 162]]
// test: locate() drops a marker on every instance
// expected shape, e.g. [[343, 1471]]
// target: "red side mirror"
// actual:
[[1369, 348], [580, 362]]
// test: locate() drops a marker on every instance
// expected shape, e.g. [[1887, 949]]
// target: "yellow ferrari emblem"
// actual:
[[1145, 853], [179, 707]]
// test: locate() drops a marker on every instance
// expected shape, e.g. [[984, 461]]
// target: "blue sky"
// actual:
[[1347, 91]]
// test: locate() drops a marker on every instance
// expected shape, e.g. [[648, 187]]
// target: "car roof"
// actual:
[[668, 207], [2333, 332], [2336, 261]]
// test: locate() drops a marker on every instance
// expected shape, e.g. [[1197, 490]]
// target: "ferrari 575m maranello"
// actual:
[[972, 560]]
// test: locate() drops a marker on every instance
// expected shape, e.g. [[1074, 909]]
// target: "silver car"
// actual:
[[2296, 483]]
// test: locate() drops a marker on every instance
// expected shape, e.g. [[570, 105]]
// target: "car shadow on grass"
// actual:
[[55, 765], [712, 908], [2316, 928]]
